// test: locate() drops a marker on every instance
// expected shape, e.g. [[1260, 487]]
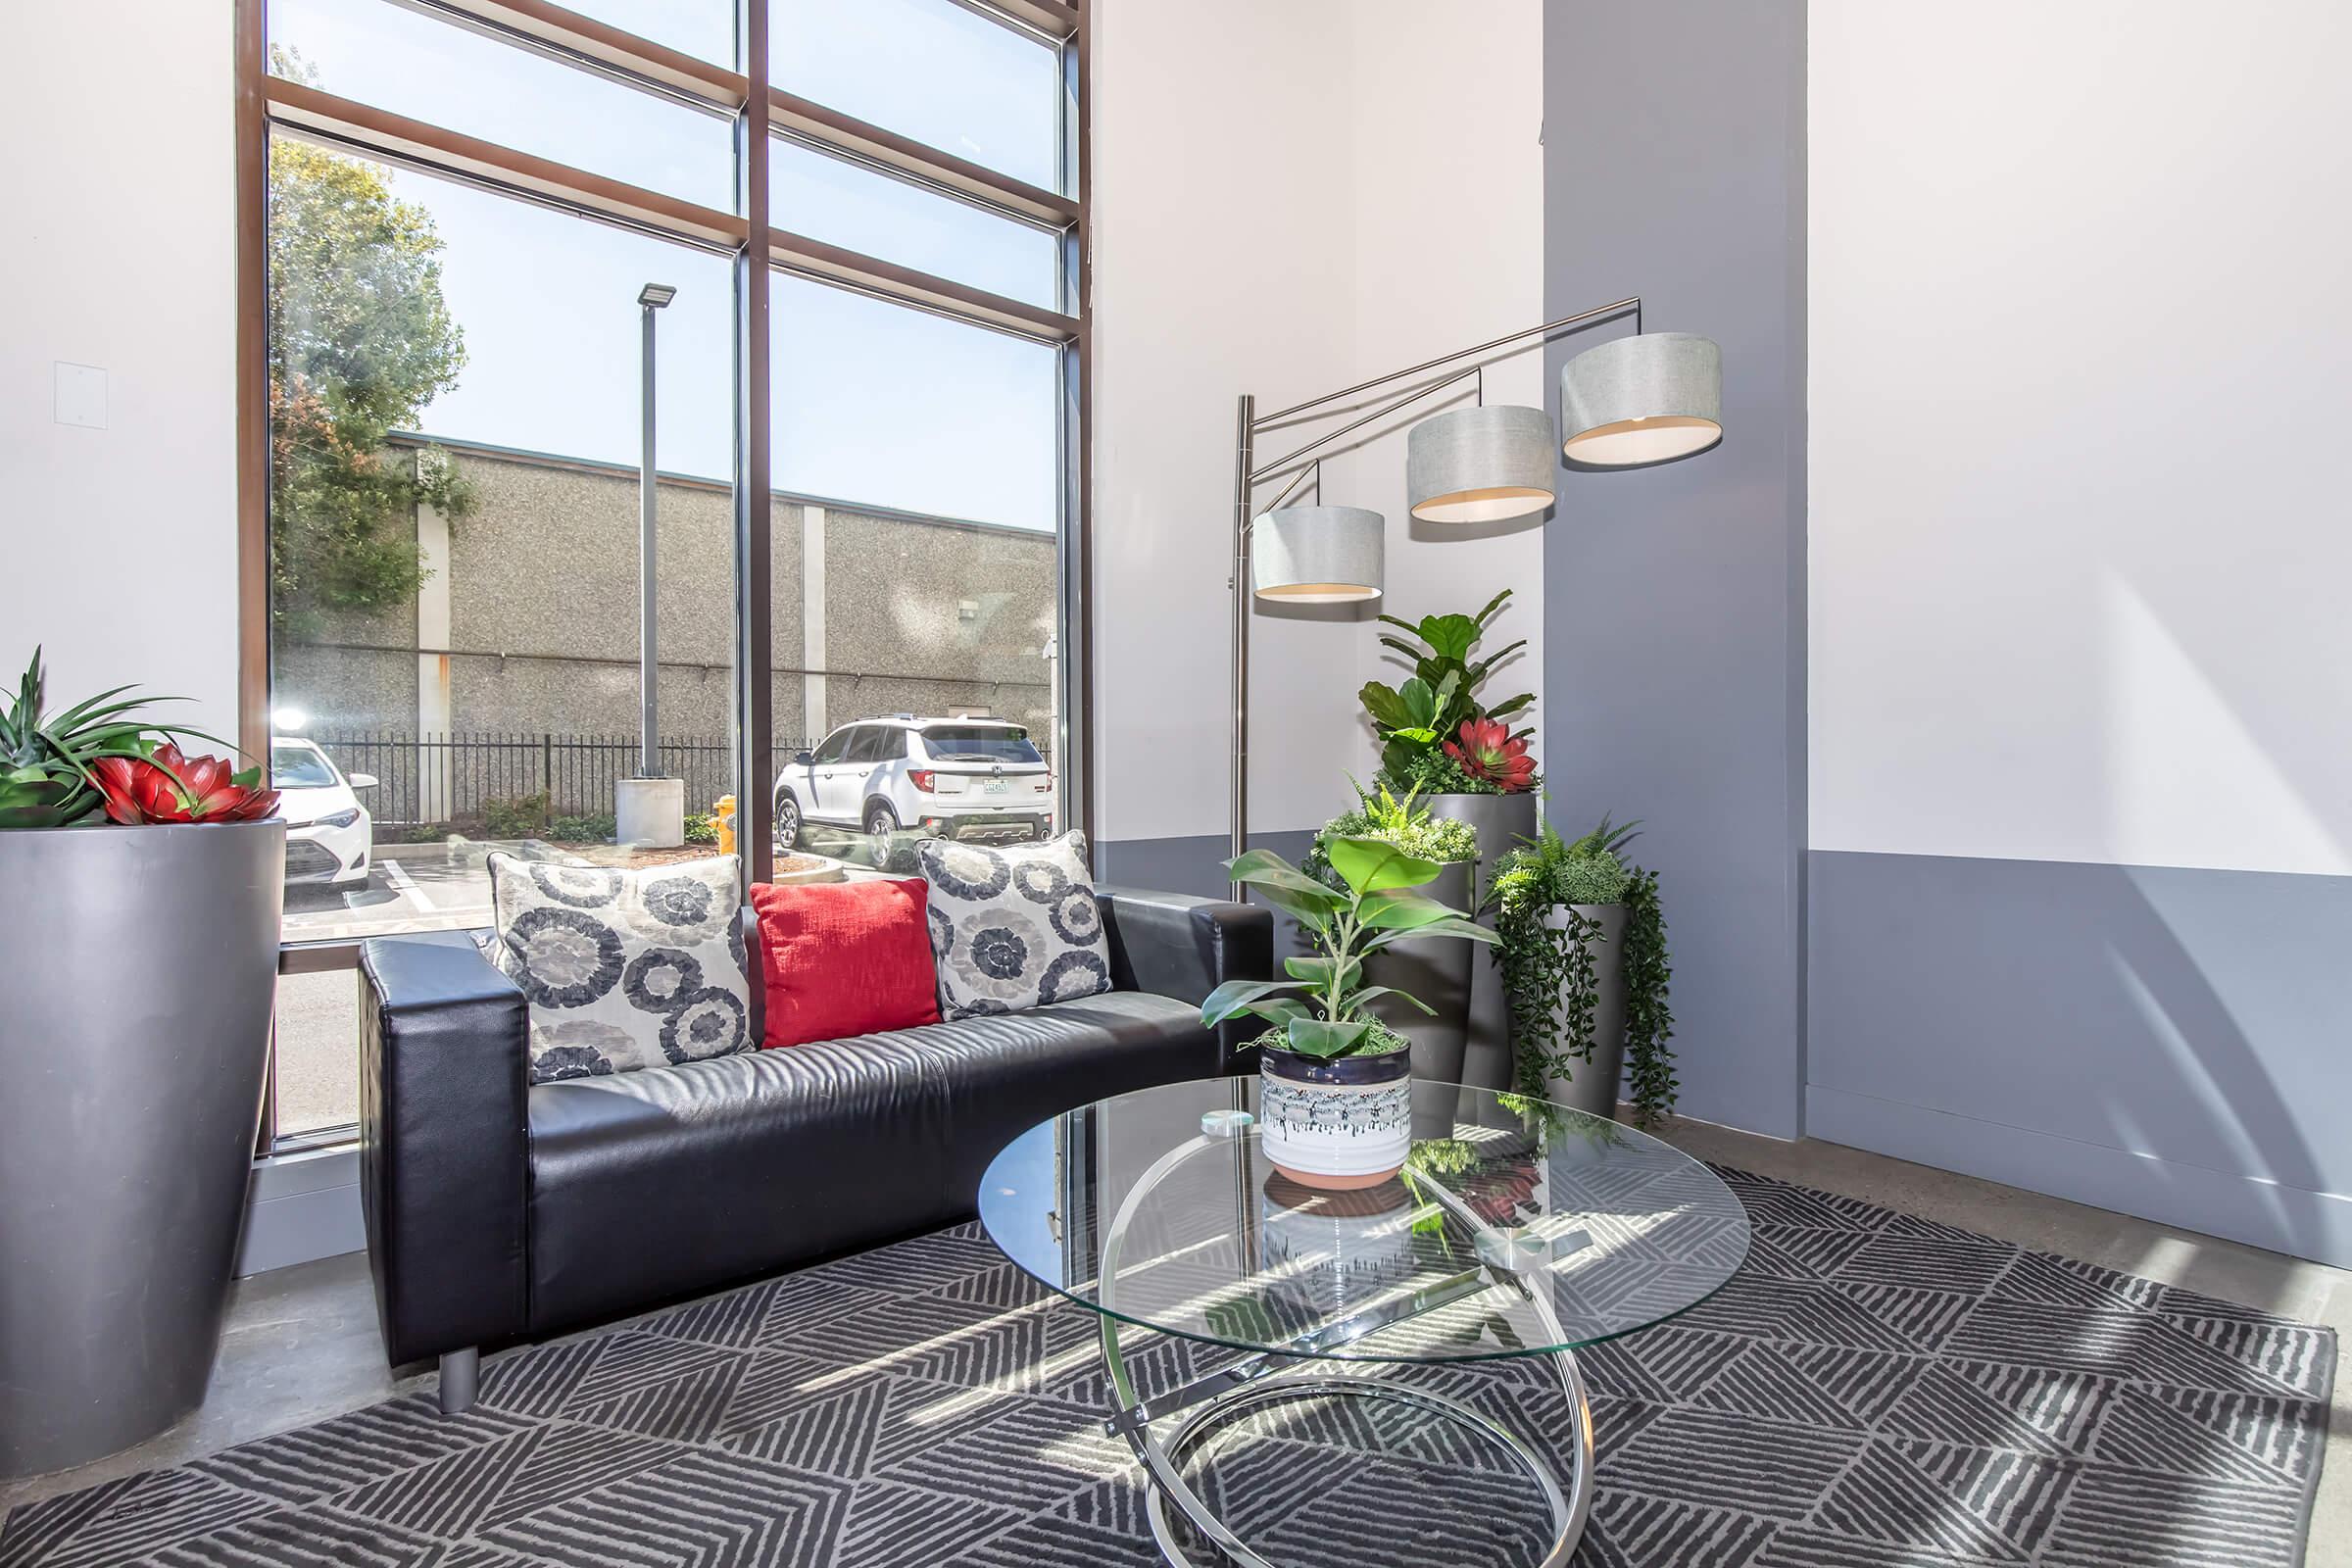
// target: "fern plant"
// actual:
[[1380, 814]]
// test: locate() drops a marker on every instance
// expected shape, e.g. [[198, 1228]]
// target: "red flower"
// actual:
[[1488, 750], [171, 787]]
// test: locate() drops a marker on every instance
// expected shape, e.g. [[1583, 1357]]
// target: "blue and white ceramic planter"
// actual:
[[1336, 1123]]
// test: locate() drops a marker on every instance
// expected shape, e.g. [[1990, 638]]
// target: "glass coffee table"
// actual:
[[1516, 1228]]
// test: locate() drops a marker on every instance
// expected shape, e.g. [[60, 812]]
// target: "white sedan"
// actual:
[[327, 830]]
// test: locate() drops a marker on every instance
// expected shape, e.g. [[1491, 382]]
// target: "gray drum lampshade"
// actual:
[[1480, 465], [1650, 398], [1319, 555]]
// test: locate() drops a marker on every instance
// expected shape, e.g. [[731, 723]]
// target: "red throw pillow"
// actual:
[[844, 958]]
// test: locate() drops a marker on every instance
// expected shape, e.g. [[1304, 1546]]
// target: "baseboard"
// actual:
[[301, 1207], [2242, 1209]]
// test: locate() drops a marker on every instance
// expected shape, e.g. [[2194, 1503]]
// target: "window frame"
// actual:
[[759, 110]]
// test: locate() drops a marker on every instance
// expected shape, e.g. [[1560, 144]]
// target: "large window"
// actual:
[[473, 221]]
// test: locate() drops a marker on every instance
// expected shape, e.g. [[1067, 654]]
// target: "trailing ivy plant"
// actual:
[[1551, 976], [1649, 1021]]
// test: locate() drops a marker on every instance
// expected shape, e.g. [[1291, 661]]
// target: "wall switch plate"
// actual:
[[80, 396]]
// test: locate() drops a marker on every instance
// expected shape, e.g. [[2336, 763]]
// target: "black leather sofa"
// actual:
[[498, 1211]]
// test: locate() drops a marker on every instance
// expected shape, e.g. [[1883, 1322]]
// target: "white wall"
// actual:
[[120, 253], [1447, 250], [1278, 196], [2080, 325]]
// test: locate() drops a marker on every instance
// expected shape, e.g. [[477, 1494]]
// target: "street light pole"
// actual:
[[652, 297]]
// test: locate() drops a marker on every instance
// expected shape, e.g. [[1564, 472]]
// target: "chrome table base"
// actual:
[[1271, 1375], [1191, 1413]]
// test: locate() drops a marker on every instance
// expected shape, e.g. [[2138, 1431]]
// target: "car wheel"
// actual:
[[788, 820], [880, 820]]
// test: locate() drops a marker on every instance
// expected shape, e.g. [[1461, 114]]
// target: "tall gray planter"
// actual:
[[138, 965], [1592, 1086], [1438, 970], [1503, 824]]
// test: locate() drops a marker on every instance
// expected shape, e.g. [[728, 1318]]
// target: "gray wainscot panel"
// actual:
[[2167, 1042]]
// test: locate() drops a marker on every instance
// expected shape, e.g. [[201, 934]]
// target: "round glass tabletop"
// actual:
[[1517, 1227]]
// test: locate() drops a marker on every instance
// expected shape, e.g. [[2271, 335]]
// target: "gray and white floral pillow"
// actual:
[[1013, 927], [623, 968]]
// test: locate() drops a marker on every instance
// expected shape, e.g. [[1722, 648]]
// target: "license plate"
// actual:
[[995, 786]]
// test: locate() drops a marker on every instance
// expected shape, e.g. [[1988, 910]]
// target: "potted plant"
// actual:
[[1582, 945], [1435, 972], [1460, 754], [138, 953], [1334, 1097]]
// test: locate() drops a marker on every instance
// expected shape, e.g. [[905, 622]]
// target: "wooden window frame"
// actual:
[[760, 111]]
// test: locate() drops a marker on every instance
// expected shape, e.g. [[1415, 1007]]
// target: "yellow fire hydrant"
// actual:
[[722, 816]]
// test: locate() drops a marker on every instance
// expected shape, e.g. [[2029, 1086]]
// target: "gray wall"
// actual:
[[2162, 1040], [1674, 597]]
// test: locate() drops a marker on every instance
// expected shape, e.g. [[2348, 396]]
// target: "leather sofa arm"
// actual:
[[1179, 945], [444, 1144]]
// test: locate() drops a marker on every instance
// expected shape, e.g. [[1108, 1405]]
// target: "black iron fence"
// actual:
[[518, 783]]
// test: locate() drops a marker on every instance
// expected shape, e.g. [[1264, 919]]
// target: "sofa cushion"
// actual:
[[623, 968], [1013, 927], [843, 959], [653, 1185]]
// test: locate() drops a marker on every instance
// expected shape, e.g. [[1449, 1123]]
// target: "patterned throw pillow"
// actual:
[[1013, 927], [624, 970]]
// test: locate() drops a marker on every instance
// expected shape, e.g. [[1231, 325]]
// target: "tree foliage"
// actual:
[[361, 341]]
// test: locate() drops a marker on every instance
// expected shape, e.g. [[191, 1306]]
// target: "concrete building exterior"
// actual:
[[527, 620]]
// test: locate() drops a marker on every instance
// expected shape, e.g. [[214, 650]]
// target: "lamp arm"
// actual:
[[1310, 471], [1631, 303], [1381, 413]]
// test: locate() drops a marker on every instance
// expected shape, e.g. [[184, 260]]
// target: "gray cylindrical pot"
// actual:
[[1592, 1086], [1436, 969], [137, 967], [1503, 824]]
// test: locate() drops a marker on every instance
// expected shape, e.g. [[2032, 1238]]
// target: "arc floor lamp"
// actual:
[[1629, 403]]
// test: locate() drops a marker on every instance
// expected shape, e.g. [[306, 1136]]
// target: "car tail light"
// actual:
[[925, 779], [1044, 784]]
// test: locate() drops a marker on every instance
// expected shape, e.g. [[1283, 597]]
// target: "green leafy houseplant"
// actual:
[[1380, 814], [46, 761], [1321, 1009], [1552, 972], [1414, 721]]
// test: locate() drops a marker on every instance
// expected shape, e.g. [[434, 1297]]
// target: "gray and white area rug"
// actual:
[[1873, 1390]]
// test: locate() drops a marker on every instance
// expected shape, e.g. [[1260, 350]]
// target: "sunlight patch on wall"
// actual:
[[2189, 783]]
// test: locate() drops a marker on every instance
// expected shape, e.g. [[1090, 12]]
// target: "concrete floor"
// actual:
[[302, 1343]]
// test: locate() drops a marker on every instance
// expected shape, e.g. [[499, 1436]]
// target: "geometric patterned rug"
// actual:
[[1873, 1390]]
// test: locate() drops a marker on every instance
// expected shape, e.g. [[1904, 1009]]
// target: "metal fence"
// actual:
[[470, 778]]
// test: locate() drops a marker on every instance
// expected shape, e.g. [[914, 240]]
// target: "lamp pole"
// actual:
[[652, 297]]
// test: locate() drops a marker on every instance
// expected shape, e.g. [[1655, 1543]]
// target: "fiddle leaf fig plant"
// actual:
[[1322, 1008], [1414, 720]]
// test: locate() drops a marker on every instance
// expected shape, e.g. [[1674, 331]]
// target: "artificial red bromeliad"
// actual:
[[1488, 750], [168, 787]]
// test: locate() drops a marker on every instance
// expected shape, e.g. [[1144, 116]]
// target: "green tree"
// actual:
[[361, 341]]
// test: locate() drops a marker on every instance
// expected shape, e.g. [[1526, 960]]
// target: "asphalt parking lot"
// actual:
[[410, 887]]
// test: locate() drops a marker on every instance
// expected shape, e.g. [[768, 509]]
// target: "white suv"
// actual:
[[946, 776]]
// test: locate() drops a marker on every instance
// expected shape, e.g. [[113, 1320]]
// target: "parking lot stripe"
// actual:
[[407, 884]]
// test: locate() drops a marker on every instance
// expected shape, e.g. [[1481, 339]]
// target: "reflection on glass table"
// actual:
[[1517, 1228]]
